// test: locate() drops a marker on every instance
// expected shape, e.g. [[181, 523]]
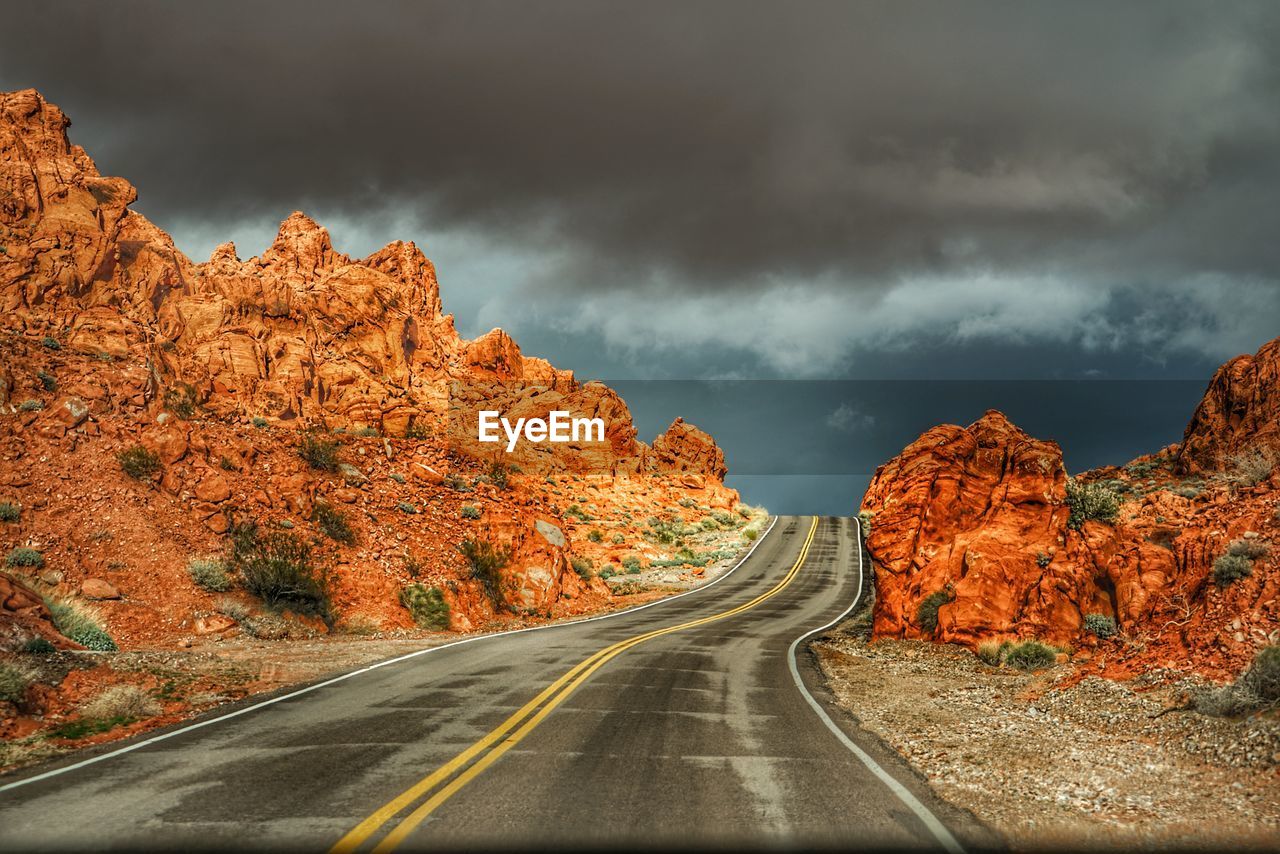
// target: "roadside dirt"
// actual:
[[1051, 760]]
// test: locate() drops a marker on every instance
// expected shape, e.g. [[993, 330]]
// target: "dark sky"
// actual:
[[871, 191]]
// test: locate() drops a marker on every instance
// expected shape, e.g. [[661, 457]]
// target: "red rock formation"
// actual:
[[146, 347], [979, 515], [1240, 411], [24, 617]]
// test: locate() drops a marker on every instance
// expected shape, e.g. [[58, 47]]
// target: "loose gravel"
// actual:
[[1049, 760]]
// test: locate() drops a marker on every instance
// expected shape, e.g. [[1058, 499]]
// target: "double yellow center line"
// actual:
[[511, 731]]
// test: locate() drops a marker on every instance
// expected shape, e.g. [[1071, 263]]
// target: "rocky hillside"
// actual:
[[154, 410], [979, 535]]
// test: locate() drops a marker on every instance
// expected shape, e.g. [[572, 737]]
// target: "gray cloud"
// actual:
[[780, 188]]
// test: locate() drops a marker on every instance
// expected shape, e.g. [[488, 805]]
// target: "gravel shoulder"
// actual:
[[1050, 760]]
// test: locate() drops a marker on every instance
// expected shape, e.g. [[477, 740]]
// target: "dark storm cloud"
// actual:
[[703, 145]]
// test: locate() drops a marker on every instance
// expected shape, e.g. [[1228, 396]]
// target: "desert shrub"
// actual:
[[9, 512], [138, 462], [417, 430], [486, 564], [687, 502], [750, 534], [578, 513], [396, 476], [333, 523], [865, 518], [51, 342], [743, 510], [413, 566], [582, 566], [470, 511], [1256, 689], [990, 651], [595, 535], [38, 646], [1043, 559], [368, 432], [609, 571], [232, 608], [1100, 625], [120, 701], [456, 483], [78, 622], [617, 539], [1187, 491], [319, 453], [14, 681], [48, 380], [31, 405], [258, 421], [499, 473], [427, 606], [1030, 655], [24, 556], [1250, 548], [632, 565], [927, 610], [209, 573], [1091, 501], [1251, 467], [278, 568], [1230, 568], [226, 464], [406, 507], [181, 400], [709, 524]]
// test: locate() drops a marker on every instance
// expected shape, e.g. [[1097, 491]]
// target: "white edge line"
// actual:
[[170, 734], [936, 827]]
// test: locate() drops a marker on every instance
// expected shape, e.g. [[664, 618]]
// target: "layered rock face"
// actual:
[[979, 516], [112, 337]]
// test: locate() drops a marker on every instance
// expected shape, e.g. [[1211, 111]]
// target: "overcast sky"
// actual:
[[783, 190]]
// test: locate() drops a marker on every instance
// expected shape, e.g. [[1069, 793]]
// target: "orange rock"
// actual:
[[213, 487], [98, 588]]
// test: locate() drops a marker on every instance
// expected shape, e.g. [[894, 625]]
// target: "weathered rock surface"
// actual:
[[24, 617], [979, 515], [215, 367]]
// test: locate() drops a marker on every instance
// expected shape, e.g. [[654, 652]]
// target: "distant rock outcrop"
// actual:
[[978, 517]]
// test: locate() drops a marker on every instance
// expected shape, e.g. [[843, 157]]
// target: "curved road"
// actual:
[[674, 725]]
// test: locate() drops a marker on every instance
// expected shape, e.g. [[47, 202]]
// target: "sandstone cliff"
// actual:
[[980, 518], [112, 338]]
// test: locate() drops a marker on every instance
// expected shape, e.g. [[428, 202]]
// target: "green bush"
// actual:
[[427, 606], [750, 534], [927, 610], [1230, 568], [14, 681], [1186, 491], [38, 646], [396, 476], [578, 513], [608, 572], [992, 651], [31, 405], [51, 342], [1100, 625], [470, 511], [333, 523], [48, 380], [632, 565], [259, 422], [406, 507], [139, 463], [1249, 548], [617, 539], [209, 573], [24, 556], [595, 535], [368, 432], [1258, 688], [486, 564], [1043, 559], [1252, 466], [181, 400], [499, 474], [1030, 655], [278, 568], [1091, 501], [319, 453], [9, 512], [120, 701], [78, 622], [417, 430], [583, 566]]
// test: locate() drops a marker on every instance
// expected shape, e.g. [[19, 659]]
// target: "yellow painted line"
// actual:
[[575, 677]]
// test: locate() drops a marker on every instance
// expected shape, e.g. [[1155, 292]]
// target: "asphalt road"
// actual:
[[676, 725]]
